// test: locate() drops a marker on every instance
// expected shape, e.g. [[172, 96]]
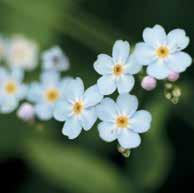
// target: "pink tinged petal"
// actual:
[[106, 131], [127, 104], [128, 139], [88, 118], [107, 110], [173, 76], [144, 54], [158, 70], [72, 128], [177, 40], [103, 64], [106, 84], [120, 51], [179, 62], [92, 96], [155, 36], [125, 83], [148, 83], [141, 121]]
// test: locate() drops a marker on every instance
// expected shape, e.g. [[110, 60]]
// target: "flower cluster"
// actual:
[[66, 100]]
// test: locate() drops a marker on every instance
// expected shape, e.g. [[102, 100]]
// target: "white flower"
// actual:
[[12, 90], [22, 53], [122, 121], [163, 52], [77, 108], [117, 70], [46, 93], [55, 59]]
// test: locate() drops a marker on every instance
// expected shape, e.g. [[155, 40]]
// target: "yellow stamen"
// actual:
[[78, 107], [10, 87], [162, 52], [52, 94], [118, 70], [122, 121]]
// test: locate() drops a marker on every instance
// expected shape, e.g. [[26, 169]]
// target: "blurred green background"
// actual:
[[40, 159]]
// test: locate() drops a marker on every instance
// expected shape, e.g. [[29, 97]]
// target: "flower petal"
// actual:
[[177, 40], [127, 104], [103, 64], [158, 70], [92, 96], [107, 110], [72, 128], [120, 51], [125, 83], [43, 111], [128, 139], [8, 104], [105, 130], [144, 53], [106, 84], [141, 121], [88, 118], [132, 66], [62, 111], [155, 36], [179, 62]]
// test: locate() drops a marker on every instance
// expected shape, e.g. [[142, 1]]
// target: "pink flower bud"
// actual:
[[26, 112], [173, 76], [148, 83]]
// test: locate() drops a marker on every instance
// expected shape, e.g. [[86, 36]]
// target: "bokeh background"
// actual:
[[37, 158]]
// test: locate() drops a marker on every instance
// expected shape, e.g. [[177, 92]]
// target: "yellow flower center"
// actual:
[[162, 52], [78, 107], [52, 94], [118, 70], [10, 87], [122, 121]]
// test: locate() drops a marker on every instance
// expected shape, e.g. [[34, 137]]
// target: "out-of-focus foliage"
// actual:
[[85, 28]]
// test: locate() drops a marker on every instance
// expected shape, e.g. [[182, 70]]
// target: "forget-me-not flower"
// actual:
[[55, 59], [12, 90], [117, 71], [162, 53], [77, 109], [122, 121], [46, 93]]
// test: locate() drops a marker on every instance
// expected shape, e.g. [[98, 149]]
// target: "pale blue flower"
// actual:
[[117, 70], [77, 109], [162, 53], [55, 59], [46, 93], [122, 121], [12, 90]]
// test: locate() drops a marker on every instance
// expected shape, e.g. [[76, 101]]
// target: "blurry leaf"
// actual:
[[150, 163], [74, 169]]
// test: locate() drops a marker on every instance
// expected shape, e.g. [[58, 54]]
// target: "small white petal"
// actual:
[[155, 36], [158, 70], [88, 118], [177, 40], [8, 104], [43, 111], [72, 128], [106, 131], [120, 51], [128, 139], [179, 62], [107, 110], [125, 83], [103, 64], [106, 84], [132, 66], [144, 53], [92, 96], [127, 104], [141, 121], [62, 111]]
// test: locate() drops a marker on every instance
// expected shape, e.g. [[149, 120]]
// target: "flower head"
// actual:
[[26, 112], [162, 52], [46, 93], [55, 59], [148, 83], [77, 108], [12, 90], [22, 53], [122, 121], [117, 70]]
